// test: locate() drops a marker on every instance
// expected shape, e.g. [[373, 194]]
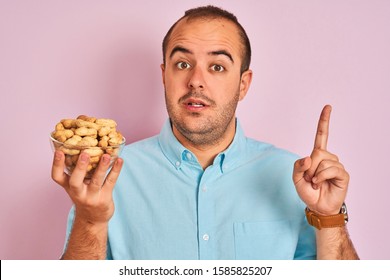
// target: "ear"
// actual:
[[162, 66], [246, 79]]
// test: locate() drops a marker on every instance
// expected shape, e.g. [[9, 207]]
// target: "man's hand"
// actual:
[[93, 202], [92, 198], [321, 180]]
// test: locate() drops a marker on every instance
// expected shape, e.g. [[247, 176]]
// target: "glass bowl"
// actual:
[[72, 153]]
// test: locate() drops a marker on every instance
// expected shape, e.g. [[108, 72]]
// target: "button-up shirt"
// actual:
[[243, 206]]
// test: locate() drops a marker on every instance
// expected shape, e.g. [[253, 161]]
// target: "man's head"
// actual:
[[211, 12], [205, 73]]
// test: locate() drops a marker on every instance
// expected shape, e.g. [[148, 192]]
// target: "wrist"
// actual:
[[89, 225], [319, 221], [94, 216]]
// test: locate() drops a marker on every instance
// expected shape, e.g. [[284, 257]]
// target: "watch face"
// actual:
[[344, 211]]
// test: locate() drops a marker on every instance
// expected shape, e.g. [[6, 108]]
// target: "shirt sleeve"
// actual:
[[306, 247], [68, 228]]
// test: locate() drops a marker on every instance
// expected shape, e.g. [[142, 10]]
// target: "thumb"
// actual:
[[300, 167]]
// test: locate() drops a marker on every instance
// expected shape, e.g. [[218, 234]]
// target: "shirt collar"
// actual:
[[176, 153]]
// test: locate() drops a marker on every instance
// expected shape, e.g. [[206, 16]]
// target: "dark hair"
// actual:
[[212, 12]]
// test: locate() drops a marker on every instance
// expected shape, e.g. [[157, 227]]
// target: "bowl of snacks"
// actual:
[[90, 135]]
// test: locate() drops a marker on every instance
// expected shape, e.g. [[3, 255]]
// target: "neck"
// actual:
[[206, 153]]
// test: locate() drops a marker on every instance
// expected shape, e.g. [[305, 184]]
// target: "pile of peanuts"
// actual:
[[90, 135]]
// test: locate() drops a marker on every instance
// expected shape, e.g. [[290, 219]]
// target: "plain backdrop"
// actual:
[[60, 59]]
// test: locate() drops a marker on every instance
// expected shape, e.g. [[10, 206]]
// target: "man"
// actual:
[[201, 189]]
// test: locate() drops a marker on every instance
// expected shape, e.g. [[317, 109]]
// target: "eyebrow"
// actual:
[[179, 49], [184, 50], [222, 52]]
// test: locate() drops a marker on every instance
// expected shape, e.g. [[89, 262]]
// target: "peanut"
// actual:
[[115, 138], [88, 141], [70, 152], [90, 167], [68, 133], [112, 151], [86, 118], [74, 140], [62, 135], [106, 122], [83, 131], [87, 134], [103, 131], [82, 123], [103, 142], [94, 159], [60, 126], [68, 123], [115, 141], [93, 152]]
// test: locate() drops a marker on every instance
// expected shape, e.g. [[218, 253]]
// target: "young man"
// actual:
[[201, 189]]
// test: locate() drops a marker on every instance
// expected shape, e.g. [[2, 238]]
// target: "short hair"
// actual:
[[212, 12]]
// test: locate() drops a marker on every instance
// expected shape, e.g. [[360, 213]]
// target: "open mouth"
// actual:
[[196, 104]]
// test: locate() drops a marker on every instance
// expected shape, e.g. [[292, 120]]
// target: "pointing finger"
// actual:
[[321, 139]]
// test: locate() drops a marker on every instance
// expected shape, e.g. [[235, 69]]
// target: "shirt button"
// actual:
[[204, 189], [189, 156], [177, 163], [206, 237]]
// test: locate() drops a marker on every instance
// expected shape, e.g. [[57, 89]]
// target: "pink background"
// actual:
[[60, 59]]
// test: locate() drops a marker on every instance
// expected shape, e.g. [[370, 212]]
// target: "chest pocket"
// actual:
[[272, 240]]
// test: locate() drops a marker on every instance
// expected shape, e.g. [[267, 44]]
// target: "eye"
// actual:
[[217, 68], [183, 65]]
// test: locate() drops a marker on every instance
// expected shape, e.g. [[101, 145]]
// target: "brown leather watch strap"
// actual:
[[319, 222]]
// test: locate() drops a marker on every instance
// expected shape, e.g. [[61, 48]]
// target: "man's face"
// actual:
[[202, 79]]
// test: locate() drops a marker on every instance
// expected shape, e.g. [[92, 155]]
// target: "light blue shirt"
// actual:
[[243, 206]]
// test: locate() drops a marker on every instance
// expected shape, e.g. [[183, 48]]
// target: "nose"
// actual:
[[196, 80]]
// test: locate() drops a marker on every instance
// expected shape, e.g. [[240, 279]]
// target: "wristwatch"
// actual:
[[319, 221]]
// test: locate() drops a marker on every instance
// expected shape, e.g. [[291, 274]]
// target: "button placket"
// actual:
[[206, 214]]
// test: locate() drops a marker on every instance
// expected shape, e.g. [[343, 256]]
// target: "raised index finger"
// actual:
[[321, 139]]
